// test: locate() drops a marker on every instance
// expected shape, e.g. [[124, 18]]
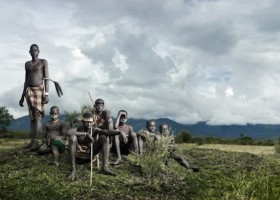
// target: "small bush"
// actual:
[[152, 159]]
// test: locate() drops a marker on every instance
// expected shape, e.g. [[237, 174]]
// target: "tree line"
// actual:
[[185, 137]]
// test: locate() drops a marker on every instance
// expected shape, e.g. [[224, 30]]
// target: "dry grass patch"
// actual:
[[257, 150]]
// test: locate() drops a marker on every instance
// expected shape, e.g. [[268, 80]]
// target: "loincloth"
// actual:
[[53, 142], [34, 98], [59, 144]]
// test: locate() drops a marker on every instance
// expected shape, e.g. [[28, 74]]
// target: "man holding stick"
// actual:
[[80, 141]]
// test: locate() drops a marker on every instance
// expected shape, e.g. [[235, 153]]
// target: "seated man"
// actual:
[[80, 141], [53, 136], [164, 131], [150, 132], [121, 147]]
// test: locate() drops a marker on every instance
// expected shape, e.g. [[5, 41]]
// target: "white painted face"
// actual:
[[123, 118], [54, 114], [152, 127], [164, 130]]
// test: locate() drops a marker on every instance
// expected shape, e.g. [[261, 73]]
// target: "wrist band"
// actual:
[[46, 93]]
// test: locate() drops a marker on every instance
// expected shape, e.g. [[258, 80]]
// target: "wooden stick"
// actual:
[[91, 149], [97, 156]]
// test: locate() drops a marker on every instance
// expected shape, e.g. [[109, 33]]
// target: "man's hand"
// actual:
[[46, 99], [90, 137], [21, 101], [124, 136]]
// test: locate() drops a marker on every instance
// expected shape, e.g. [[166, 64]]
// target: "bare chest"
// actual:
[[34, 69]]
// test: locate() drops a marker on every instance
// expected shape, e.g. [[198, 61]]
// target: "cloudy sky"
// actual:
[[205, 60]]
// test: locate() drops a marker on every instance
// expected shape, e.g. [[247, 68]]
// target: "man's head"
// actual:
[[54, 112], [99, 105], [34, 50], [151, 125], [163, 129], [87, 120]]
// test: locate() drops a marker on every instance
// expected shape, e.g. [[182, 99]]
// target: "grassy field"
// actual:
[[225, 173], [258, 150]]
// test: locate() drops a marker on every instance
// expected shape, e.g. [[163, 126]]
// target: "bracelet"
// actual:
[[46, 93]]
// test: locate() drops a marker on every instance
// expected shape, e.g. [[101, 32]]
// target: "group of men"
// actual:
[[90, 134]]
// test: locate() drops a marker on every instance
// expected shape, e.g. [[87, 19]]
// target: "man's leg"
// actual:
[[55, 152], [141, 144], [30, 135], [117, 144], [134, 141], [71, 152], [103, 144], [182, 161], [35, 130]]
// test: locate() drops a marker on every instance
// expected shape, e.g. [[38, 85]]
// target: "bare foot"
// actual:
[[118, 161], [28, 145], [35, 146], [72, 176], [107, 171], [195, 169], [55, 163]]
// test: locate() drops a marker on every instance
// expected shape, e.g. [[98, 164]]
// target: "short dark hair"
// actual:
[[99, 101], [55, 107], [34, 45], [87, 115], [150, 121]]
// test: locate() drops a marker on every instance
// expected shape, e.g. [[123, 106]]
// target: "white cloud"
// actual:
[[191, 61]]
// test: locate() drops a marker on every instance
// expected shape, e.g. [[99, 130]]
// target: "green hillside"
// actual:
[[223, 175]]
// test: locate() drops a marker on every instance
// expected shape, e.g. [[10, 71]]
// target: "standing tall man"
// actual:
[[35, 91]]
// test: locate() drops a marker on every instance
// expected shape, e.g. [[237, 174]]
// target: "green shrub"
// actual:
[[152, 159]]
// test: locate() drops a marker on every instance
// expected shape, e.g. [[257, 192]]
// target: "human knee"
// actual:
[[103, 139], [72, 139], [133, 135]]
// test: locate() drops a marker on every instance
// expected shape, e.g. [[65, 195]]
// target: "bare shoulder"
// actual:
[[44, 61], [130, 128]]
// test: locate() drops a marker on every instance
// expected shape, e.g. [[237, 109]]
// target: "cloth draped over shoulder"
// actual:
[[34, 98]]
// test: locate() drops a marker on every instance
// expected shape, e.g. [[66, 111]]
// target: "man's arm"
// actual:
[[46, 82], [63, 130], [73, 131], [112, 133], [24, 87]]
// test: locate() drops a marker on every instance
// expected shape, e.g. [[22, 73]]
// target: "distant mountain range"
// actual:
[[201, 129]]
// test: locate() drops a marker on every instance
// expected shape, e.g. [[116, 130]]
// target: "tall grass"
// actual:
[[258, 184], [277, 146], [152, 160]]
